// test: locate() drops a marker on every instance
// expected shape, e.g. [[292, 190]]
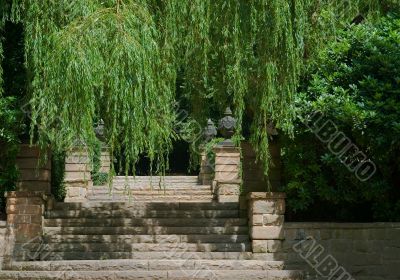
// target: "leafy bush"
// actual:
[[355, 84]]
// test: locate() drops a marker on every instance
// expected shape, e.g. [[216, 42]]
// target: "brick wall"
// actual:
[[368, 251]]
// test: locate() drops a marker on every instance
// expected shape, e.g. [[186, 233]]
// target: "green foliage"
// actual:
[[119, 60], [9, 130], [57, 175], [208, 149], [355, 83], [99, 178]]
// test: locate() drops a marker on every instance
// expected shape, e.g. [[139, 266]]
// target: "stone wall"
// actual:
[[77, 176], [34, 175], [254, 179], [3, 227], [365, 251]]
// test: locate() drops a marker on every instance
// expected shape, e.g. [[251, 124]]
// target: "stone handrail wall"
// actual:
[[77, 176], [365, 251], [3, 228], [226, 183]]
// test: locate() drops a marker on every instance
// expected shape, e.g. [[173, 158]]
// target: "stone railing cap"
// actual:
[[266, 195], [230, 181], [226, 149]]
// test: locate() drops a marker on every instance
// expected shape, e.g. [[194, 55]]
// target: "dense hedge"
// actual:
[[355, 85]]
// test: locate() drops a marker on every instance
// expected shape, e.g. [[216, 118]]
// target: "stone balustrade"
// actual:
[[226, 184], [34, 168], [25, 213], [77, 177], [206, 174], [266, 216]]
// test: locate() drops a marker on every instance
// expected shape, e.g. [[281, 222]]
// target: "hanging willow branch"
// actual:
[[119, 60]]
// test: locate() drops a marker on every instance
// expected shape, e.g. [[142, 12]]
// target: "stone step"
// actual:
[[135, 247], [146, 230], [171, 206], [148, 192], [161, 256], [201, 222], [147, 264], [161, 239], [153, 274], [156, 179], [150, 198], [146, 187], [142, 213]]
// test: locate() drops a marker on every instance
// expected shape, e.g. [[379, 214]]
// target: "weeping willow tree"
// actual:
[[119, 60]]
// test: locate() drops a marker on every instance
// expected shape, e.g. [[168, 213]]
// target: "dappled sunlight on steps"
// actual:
[[117, 237]]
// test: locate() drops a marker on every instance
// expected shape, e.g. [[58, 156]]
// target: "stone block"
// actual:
[[228, 189], [262, 206], [377, 234], [77, 175], [32, 163], [267, 206], [227, 168], [256, 220], [223, 151], [393, 233], [35, 186], [19, 219], [76, 192], [228, 198], [26, 232], [391, 253], [24, 209], [34, 175], [272, 220], [17, 201], [266, 246], [226, 176], [74, 167], [25, 150], [223, 160], [362, 246], [262, 232]]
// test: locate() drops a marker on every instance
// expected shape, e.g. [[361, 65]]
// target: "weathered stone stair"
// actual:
[[143, 188], [123, 238]]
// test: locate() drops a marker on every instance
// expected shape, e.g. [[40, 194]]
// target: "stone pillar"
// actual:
[[206, 169], [266, 216], [254, 179], [105, 159], [34, 175], [25, 211], [77, 175], [226, 184]]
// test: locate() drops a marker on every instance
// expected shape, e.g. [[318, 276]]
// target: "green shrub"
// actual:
[[355, 84]]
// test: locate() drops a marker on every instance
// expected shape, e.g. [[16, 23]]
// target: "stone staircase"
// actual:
[[155, 189], [138, 231]]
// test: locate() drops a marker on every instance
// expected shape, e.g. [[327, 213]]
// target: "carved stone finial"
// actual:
[[210, 131], [99, 130], [227, 127]]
